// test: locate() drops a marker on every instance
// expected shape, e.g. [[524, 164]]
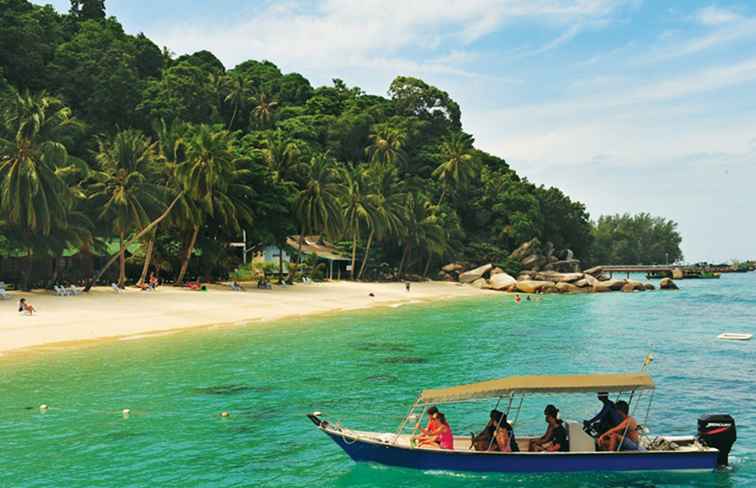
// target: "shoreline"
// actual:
[[102, 314]]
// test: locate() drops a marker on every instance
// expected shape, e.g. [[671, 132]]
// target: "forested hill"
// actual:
[[102, 130]]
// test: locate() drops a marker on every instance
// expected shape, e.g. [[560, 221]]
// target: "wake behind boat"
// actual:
[[709, 449]]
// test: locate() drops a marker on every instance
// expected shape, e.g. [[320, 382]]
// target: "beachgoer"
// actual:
[[503, 433], [153, 281], [517, 299], [555, 437], [407, 286], [625, 434], [25, 307], [527, 298], [607, 418], [371, 294]]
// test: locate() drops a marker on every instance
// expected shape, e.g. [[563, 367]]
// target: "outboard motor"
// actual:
[[717, 431]]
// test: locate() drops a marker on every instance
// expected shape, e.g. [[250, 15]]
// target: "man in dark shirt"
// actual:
[[607, 418]]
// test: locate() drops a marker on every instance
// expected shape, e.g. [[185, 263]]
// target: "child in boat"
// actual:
[[625, 434], [424, 437], [555, 438]]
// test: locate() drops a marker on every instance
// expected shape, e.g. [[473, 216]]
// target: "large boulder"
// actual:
[[502, 281], [481, 283], [475, 274], [533, 261], [586, 281], [649, 286], [564, 287], [533, 246], [558, 277], [565, 266], [594, 271], [533, 286], [609, 285], [667, 284], [442, 276], [631, 286], [452, 267], [496, 271]]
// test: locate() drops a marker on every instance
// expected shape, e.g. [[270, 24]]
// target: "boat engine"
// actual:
[[718, 431]]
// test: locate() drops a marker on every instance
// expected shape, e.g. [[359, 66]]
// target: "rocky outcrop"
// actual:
[[534, 286], [564, 266], [534, 262], [453, 267], [609, 285], [475, 274], [558, 277], [649, 286], [631, 286], [667, 284], [595, 271], [481, 283], [564, 287], [502, 282], [496, 271], [529, 248]]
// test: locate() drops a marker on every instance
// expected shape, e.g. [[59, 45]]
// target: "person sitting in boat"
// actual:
[[555, 438], [607, 418], [504, 438], [625, 434], [424, 437]]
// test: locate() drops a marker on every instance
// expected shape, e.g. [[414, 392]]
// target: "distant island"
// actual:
[[113, 150]]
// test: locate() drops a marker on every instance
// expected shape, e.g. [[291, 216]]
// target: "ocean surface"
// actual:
[[365, 369]]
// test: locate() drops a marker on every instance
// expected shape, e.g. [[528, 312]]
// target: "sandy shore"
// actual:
[[102, 313]]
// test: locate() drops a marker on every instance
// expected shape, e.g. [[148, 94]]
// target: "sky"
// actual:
[[626, 105]]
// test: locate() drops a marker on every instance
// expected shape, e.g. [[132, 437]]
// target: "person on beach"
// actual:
[[407, 286], [517, 299], [25, 307], [625, 434], [153, 281], [555, 438], [607, 418], [424, 436]]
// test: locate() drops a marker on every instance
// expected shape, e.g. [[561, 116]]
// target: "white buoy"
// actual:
[[43, 408], [125, 412], [735, 336], [225, 414]]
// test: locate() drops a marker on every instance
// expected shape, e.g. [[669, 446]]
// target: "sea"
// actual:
[[364, 369]]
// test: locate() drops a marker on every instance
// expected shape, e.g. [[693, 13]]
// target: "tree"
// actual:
[[88, 9], [127, 189], [387, 146], [283, 157], [457, 166], [422, 230], [264, 109], [318, 208], [635, 239], [414, 97], [358, 206], [34, 197], [238, 94]]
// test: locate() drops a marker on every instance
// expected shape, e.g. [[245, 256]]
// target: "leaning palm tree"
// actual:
[[264, 109], [387, 146], [127, 189], [34, 198], [317, 207], [359, 207], [388, 200], [211, 176], [458, 166]]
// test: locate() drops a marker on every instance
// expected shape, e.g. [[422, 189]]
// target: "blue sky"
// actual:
[[627, 105]]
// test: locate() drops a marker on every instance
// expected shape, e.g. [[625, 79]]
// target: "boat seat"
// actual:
[[579, 440]]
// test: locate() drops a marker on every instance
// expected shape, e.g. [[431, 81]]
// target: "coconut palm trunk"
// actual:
[[405, 255], [121, 262], [28, 266], [354, 253], [367, 251], [147, 259], [189, 251], [427, 265]]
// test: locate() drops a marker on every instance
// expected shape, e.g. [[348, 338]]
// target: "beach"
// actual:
[[102, 313]]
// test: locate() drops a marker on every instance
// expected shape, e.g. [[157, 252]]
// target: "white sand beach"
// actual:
[[102, 313]]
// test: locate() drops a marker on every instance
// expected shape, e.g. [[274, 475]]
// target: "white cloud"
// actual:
[[713, 15]]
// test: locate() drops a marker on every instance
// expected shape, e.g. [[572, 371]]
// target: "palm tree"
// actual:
[[238, 94], [458, 165], [422, 229], [127, 189], [358, 206], [211, 175], [388, 200], [387, 146], [34, 198], [264, 108], [318, 207], [284, 157]]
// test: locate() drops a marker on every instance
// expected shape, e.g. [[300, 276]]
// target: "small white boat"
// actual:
[[734, 336]]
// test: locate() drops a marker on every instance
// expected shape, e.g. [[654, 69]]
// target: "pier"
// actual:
[[675, 271]]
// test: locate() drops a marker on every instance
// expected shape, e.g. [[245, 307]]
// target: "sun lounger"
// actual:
[[3, 294], [61, 291]]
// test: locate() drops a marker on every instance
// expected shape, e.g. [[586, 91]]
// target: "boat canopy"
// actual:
[[613, 382]]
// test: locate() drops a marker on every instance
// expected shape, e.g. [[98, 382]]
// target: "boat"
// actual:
[[705, 451], [735, 336]]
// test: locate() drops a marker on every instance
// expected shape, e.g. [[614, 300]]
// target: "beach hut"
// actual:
[[315, 245]]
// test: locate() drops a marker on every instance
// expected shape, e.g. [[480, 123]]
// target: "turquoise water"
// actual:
[[365, 369]]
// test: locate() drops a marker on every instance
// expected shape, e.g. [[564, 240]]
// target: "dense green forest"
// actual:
[[105, 138]]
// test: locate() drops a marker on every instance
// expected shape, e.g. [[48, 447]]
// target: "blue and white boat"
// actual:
[[705, 451]]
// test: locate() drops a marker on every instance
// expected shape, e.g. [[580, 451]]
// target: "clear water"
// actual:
[[365, 369]]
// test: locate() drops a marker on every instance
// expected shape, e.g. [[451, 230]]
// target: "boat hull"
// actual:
[[427, 459]]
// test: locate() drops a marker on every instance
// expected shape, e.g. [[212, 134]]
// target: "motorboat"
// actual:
[[705, 451]]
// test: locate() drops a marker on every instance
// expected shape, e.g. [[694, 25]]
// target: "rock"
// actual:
[[649, 286], [481, 283], [534, 261], [667, 284], [474, 274], [569, 256], [595, 271], [524, 277], [586, 282], [564, 287], [609, 285], [442, 276], [631, 286], [551, 288], [558, 277], [565, 266], [532, 286], [502, 281], [452, 267], [496, 271], [533, 246]]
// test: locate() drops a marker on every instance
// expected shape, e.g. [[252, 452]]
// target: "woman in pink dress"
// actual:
[[441, 437]]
